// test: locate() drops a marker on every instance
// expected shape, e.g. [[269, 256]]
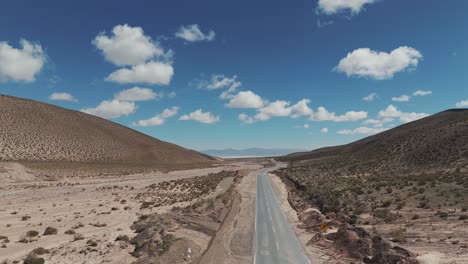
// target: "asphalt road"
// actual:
[[275, 241]]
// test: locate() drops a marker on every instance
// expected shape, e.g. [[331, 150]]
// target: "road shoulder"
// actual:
[[314, 254]]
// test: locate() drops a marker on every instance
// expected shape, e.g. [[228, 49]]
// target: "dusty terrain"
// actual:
[[104, 219], [34, 131], [403, 188]]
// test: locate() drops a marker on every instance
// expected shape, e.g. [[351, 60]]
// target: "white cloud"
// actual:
[[370, 97], [21, 65], [159, 119], [136, 94], [422, 93], [462, 104], [401, 98], [152, 72], [62, 97], [324, 130], [379, 65], [202, 117], [227, 94], [361, 130], [301, 108], [330, 7], [281, 108], [378, 122], [127, 46], [306, 126], [111, 109], [192, 33], [277, 108], [246, 119], [245, 99], [172, 94], [217, 81], [392, 112], [322, 114]]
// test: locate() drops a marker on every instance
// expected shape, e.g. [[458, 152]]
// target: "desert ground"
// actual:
[[92, 219]]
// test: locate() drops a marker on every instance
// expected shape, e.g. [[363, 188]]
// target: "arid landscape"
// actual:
[[408, 185], [383, 199]]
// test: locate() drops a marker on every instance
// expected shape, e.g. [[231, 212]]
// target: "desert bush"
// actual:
[[33, 259], [415, 217], [167, 240], [386, 215], [50, 231], [124, 238], [400, 205], [40, 251], [25, 218], [70, 232], [91, 243], [77, 237], [32, 233], [398, 234], [463, 217]]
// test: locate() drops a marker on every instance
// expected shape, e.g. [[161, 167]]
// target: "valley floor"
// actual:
[[89, 218]]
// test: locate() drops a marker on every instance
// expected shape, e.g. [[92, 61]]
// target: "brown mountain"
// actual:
[[436, 142], [35, 131]]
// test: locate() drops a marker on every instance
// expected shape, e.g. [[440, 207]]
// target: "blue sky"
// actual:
[[298, 70]]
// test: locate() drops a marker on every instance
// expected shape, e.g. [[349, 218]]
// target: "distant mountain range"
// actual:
[[250, 152]]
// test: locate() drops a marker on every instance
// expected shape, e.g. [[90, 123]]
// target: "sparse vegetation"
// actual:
[[50, 231]]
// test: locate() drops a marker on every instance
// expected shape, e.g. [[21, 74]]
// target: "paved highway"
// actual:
[[275, 241]]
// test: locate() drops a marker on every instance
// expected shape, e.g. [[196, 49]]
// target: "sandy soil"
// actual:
[[98, 208], [233, 243], [315, 255]]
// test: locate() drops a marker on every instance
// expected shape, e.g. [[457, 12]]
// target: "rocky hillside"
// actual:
[[35, 131], [438, 142]]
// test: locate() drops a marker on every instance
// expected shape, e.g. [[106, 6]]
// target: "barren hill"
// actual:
[[436, 142], [35, 131]]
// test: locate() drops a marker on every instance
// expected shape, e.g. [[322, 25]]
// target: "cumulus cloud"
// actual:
[[229, 93], [152, 72], [281, 108], [370, 97], [322, 114], [192, 33], [401, 98], [21, 65], [379, 65], [158, 119], [331, 7], [277, 108], [378, 122], [393, 112], [324, 130], [301, 108], [246, 119], [217, 81], [202, 117], [422, 93], [127, 46], [136, 94], [62, 97], [462, 104], [245, 99], [111, 109], [361, 130]]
